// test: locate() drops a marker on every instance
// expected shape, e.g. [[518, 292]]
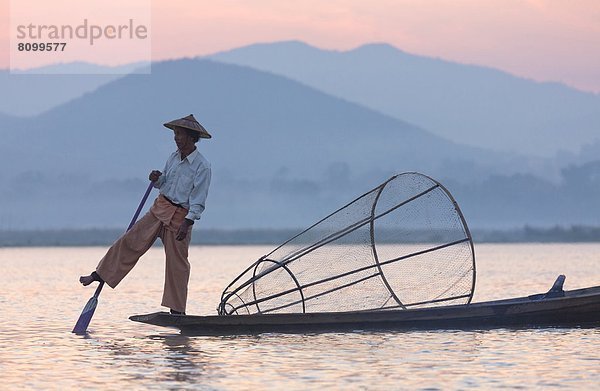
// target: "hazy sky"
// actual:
[[540, 39]]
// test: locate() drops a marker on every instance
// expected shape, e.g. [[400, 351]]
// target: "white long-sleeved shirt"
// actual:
[[186, 182]]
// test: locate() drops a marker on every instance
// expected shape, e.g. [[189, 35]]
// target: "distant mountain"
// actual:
[[34, 91], [283, 155], [289, 125], [280, 149], [468, 104]]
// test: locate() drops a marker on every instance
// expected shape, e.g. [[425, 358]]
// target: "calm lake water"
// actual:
[[40, 301]]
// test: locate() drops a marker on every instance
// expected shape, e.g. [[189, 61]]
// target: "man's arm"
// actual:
[[199, 194], [197, 201]]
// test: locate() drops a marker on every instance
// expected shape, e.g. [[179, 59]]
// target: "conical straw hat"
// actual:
[[188, 122]]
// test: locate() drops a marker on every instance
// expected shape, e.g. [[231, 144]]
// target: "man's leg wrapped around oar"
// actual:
[[127, 250], [163, 220]]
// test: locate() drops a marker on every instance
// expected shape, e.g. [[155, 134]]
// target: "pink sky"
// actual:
[[555, 40]]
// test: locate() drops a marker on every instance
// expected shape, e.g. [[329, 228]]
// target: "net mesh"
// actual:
[[401, 245]]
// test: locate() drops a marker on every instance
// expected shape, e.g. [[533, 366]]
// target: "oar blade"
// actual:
[[86, 316]]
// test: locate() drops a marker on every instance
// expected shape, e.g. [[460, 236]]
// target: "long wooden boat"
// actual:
[[556, 308]]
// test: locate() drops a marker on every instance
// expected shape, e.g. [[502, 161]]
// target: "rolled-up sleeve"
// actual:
[[199, 193]]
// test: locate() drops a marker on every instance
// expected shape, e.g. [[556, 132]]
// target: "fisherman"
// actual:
[[183, 187]]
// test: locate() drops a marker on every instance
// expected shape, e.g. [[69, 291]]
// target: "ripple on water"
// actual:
[[37, 350]]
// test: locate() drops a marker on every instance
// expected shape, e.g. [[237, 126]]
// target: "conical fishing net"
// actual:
[[404, 244]]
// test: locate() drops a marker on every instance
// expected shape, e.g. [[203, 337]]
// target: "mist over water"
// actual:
[[40, 300]]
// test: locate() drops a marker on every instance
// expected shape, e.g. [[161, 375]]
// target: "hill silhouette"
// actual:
[[274, 139], [469, 104], [283, 155]]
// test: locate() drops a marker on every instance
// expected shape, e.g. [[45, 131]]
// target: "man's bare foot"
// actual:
[[87, 280]]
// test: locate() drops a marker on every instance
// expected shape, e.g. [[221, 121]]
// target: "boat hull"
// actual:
[[577, 308]]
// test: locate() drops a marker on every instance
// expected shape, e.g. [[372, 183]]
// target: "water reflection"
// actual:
[[185, 364], [38, 351]]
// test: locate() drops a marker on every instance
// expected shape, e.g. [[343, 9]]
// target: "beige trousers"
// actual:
[[162, 221]]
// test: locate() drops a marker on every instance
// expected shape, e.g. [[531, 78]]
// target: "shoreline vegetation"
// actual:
[[106, 236]]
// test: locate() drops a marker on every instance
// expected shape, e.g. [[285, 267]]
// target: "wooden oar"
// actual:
[[88, 311]]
